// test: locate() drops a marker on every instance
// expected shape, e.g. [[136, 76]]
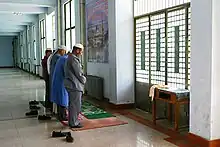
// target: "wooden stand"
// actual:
[[171, 100]]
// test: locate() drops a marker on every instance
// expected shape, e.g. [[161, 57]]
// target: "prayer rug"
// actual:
[[97, 123], [91, 111]]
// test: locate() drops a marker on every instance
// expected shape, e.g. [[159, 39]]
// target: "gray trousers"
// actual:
[[74, 107]]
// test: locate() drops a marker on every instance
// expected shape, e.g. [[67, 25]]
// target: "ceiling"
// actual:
[[15, 15]]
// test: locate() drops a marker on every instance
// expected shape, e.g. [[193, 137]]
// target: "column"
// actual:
[[205, 70], [123, 42], [58, 25]]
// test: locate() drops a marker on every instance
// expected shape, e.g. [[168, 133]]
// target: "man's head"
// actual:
[[62, 50], [48, 52], [78, 49]]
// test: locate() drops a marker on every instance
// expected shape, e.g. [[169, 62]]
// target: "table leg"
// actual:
[[169, 112], [154, 109], [177, 113]]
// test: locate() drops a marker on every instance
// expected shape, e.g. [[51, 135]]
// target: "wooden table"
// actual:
[[173, 97]]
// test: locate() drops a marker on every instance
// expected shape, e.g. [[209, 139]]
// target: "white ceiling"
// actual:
[[11, 24]]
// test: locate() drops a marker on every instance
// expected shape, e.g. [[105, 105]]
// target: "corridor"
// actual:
[[18, 87]]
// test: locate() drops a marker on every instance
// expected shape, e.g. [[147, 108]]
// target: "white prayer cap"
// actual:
[[62, 47], [78, 45]]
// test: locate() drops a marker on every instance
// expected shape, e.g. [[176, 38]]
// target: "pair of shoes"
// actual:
[[31, 113], [33, 102], [69, 138], [60, 134], [63, 119], [77, 127], [44, 117], [34, 107]]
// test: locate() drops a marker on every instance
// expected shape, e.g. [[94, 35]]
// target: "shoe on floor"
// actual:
[[31, 113], [44, 117], [77, 127], [34, 107], [60, 134], [69, 138], [62, 119], [33, 102]]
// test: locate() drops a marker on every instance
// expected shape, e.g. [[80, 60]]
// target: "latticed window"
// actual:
[[162, 45]]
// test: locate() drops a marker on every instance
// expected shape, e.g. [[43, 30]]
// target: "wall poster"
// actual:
[[97, 30]]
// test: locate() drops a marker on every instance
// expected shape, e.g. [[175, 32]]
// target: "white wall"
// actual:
[[6, 49], [118, 74]]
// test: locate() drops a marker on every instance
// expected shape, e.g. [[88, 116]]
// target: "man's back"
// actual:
[[53, 63], [74, 78]]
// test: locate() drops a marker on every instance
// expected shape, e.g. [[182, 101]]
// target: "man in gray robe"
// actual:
[[74, 81]]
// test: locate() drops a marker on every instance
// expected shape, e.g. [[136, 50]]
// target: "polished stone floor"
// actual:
[[18, 87]]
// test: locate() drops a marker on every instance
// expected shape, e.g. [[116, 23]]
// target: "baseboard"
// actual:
[[121, 106], [203, 142], [7, 67]]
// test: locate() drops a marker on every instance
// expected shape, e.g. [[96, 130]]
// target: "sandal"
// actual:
[[34, 107], [69, 138], [44, 117], [60, 134], [31, 113], [33, 102]]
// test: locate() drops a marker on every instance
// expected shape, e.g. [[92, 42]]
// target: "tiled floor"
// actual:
[[18, 87]]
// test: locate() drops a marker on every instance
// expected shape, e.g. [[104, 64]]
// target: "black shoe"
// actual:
[[60, 134], [77, 127], [44, 117], [31, 113], [34, 107], [62, 119], [69, 138], [33, 102]]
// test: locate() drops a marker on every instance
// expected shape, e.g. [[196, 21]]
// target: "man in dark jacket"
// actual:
[[74, 81], [46, 76]]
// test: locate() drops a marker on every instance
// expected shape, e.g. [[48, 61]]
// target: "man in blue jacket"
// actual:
[[74, 82], [61, 51], [59, 95]]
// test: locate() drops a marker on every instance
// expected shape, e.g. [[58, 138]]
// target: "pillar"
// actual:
[[205, 70], [58, 25], [121, 50]]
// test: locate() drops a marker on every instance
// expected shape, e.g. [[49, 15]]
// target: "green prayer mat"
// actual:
[[91, 111]]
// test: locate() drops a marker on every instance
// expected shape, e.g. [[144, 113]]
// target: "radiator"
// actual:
[[94, 87]]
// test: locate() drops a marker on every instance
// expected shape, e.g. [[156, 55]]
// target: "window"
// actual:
[[43, 36], [163, 47], [53, 31], [34, 42], [28, 42], [69, 11]]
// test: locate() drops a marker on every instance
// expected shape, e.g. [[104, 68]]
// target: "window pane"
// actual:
[[34, 33], [54, 44], [29, 50], [53, 27], [72, 13], [35, 50], [67, 8], [73, 37], [22, 52], [44, 27], [68, 43], [43, 45], [41, 29]]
